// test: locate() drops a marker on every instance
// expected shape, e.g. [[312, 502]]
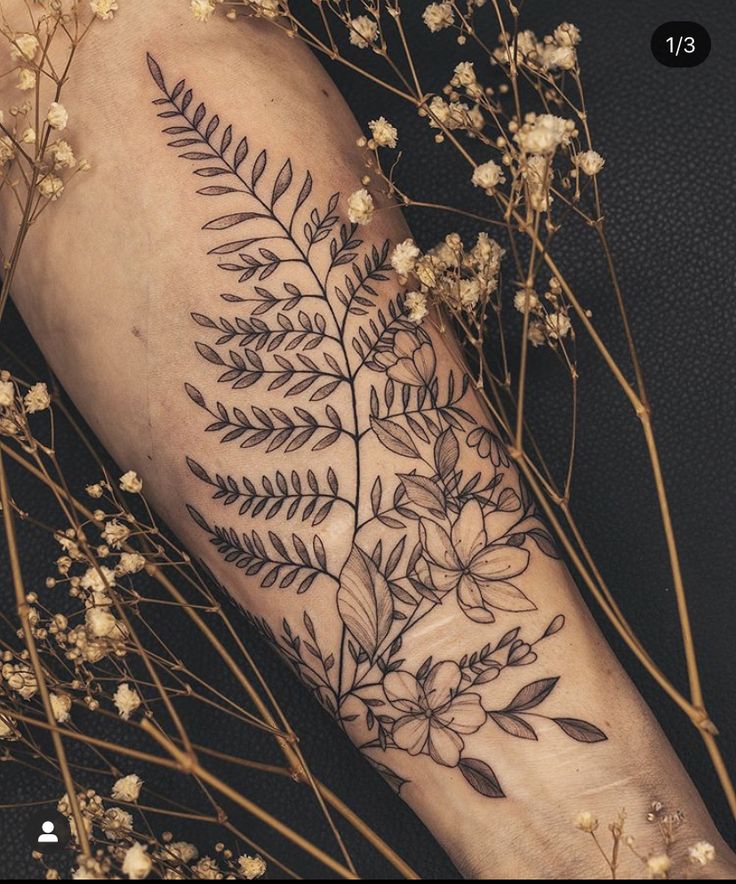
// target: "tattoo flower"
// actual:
[[410, 362], [435, 715], [471, 560]]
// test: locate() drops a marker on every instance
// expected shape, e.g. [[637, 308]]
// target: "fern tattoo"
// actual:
[[330, 365]]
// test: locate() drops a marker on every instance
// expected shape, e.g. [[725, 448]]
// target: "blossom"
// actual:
[[435, 714], [251, 866], [61, 704], [7, 394], [62, 155], [360, 207], [415, 304], [558, 325], [28, 136], [26, 79], [202, 10], [586, 822], [7, 150], [489, 445], [207, 868], [131, 563], [701, 853], [183, 851], [590, 162], [7, 730], [545, 134], [24, 46], [137, 863], [438, 16], [567, 34], [363, 31], [526, 299], [410, 361], [404, 256], [104, 9], [98, 580], [127, 788], [488, 176], [37, 398], [131, 482], [95, 490], [100, 622], [562, 57], [469, 292], [115, 533], [384, 134], [51, 187], [659, 865], [470, 560], [57, 116], [464, 75], [266, 8], [127, 700]]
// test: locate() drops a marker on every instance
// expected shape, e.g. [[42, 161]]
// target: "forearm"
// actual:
[[307, 441]]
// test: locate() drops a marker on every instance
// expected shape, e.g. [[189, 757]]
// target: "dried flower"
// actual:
[[104, 9], [586, 822], [558, 325], [545, 134], [416, 306], [137, 863], [7, 394], [95, 490], [98, 580], [127, 788], [127, 700], [115, 533], [26, 79], [363, 31], [62, 155], [131, 482], [207, 868], [384, 134], [51, 187], [360, 207], [438, 16], [567, 34], [7, 151], [57, 116], [659, 865], [488, 176], [116, 823], [131, 563], [251, 866], [526, 299], [24, 46], [37, 398], [701, 853], [404, 256], [61, 705], [202, 10], [100, 622], [590, 162]]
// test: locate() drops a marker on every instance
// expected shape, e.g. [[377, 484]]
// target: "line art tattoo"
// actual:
[[332, 364]]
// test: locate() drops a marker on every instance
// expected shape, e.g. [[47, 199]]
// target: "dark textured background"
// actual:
[[668, 187]]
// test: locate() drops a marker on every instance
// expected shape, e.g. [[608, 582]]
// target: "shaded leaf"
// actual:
[[582, 731], [364, 601], [481, 777]]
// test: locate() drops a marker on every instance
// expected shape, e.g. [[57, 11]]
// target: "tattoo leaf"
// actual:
[[424, 492], [364, 601], [282, 182], [532, 695], [446, 453], [582, 731], [394, 437], [481, 777], [514, 725]]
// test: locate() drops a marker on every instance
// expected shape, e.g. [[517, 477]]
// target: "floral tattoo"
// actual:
[[351, 373]]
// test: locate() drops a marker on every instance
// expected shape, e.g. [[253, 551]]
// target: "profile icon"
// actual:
[[47, 831], [48, 836]]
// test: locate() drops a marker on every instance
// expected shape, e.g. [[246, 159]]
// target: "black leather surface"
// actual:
[[668, 185]]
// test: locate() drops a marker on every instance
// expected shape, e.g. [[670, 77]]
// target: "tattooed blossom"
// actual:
[[435, 714], [470, 560], [360, 207], [438, 16], [410, 362]]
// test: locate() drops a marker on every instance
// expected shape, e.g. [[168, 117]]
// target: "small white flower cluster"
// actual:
[[363, 31], [448, 274], [549, 316], [360, 207], [555, 52]]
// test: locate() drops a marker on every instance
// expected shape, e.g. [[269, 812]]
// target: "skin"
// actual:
[[110, 305]]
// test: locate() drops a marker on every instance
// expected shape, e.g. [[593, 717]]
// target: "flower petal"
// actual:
[[405, 372], [495, 562], [404, 691], [405, 343], [505, 596], [442, 683], [471, 601], [425, 361], [410, 733], [443, 579], [437, 544], [464, 714], [444, 745], [468, 532]]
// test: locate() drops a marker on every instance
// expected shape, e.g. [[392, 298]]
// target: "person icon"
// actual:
[[48, 836]]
